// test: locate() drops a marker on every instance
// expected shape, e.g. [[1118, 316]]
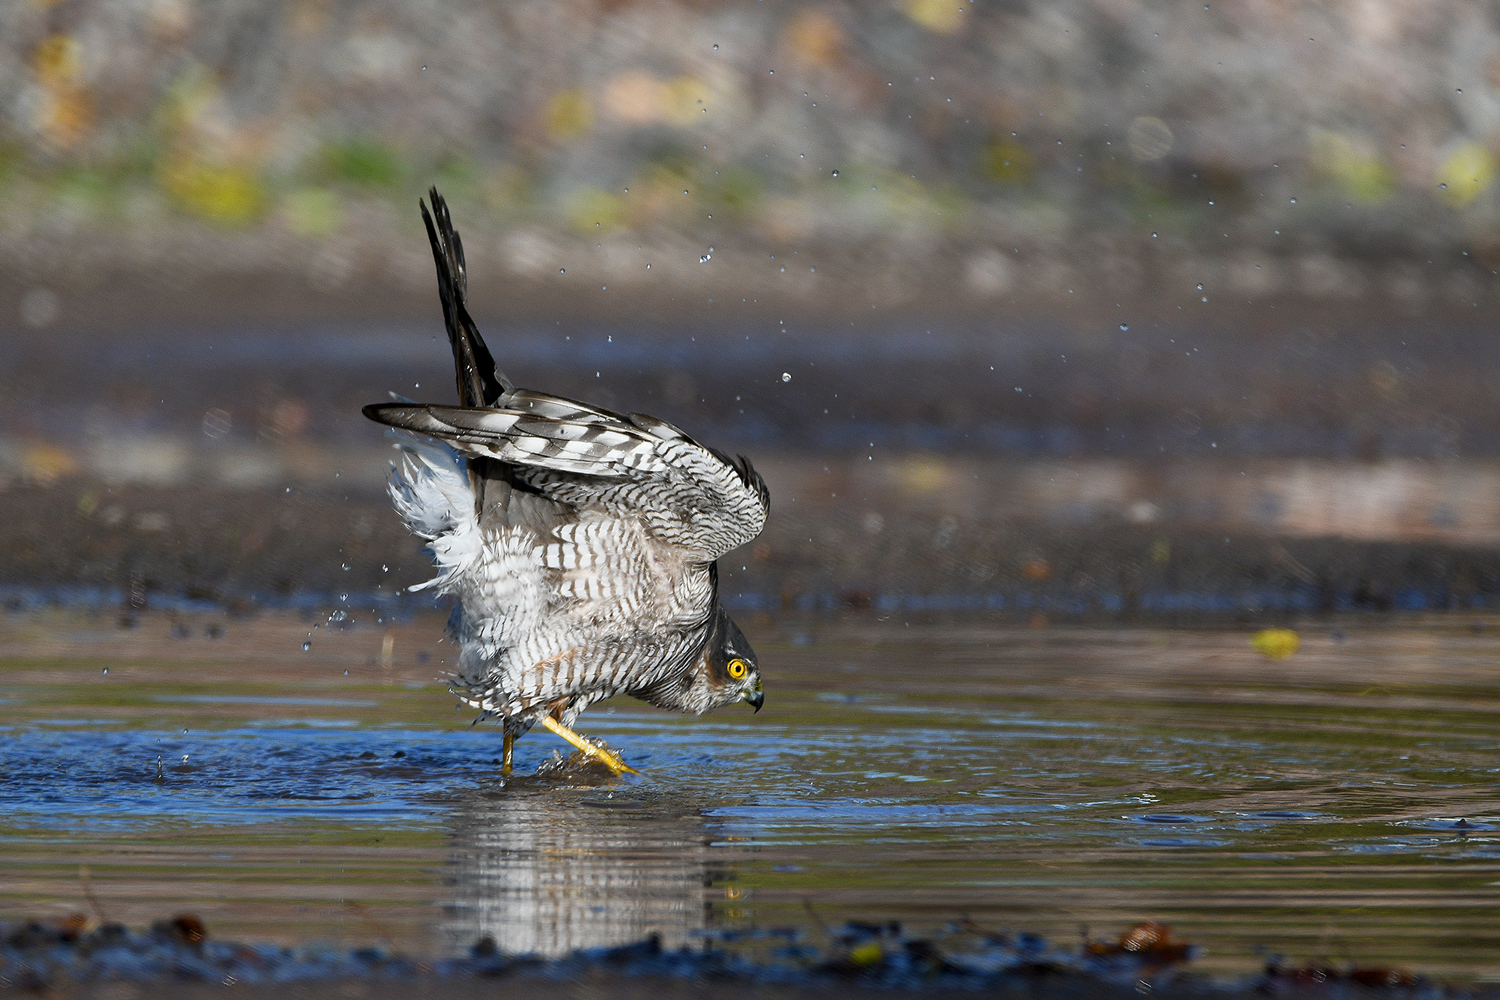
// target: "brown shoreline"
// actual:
[[141, 547]]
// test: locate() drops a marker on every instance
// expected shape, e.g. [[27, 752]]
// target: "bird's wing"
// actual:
[[689, 496]]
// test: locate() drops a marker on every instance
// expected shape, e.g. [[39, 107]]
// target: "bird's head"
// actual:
[[731, 666]]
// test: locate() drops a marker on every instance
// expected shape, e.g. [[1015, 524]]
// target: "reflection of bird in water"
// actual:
[[580, 543], [553, 870]]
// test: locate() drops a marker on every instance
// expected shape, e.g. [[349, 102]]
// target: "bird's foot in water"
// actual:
[[508, 760], [603, 754]]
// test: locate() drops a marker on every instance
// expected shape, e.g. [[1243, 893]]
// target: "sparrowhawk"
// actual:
[[580, 543]]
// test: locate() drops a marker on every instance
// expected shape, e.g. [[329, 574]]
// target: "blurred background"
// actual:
[[1058, 309]]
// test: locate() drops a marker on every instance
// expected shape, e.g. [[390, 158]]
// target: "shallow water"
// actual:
[[1341, 804]]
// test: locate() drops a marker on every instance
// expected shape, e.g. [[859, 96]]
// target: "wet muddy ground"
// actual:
[[1334, 806], [917, 536], [1071, 465]]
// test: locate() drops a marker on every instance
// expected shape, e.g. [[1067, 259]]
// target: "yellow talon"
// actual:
[[509, 753], [605, 756]]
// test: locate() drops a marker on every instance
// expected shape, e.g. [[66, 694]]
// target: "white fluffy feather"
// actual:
[[430, 490]]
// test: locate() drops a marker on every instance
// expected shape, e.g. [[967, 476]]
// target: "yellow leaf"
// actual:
[[227, 194], [56, 61], [943, 16], [815, 36], [1277, 643], [1465, 174], [569, 114], [1006, 161], [46, 464], [592, 210]]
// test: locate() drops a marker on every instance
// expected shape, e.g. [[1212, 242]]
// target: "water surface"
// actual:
[[1340, 804]]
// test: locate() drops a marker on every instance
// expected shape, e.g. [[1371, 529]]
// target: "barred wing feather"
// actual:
[[692, 497]]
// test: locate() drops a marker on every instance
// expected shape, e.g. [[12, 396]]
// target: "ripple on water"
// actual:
[[1029, 779]]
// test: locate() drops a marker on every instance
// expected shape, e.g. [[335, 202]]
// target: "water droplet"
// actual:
[[562, 270], [1442, 187], [1294, 201], [106, 671], [384, 568], [705, 258], [1459, 90], [835, 173], [1153, 236], [307, 646], [344, 567], [1200, 286], [716, 46], [1124, 327], [346, 673], [786, 376]]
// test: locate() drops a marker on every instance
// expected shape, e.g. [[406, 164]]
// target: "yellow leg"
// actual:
[[606, 757], [510, 749]]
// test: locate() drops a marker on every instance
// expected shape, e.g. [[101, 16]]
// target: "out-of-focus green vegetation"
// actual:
[[1283, 129]]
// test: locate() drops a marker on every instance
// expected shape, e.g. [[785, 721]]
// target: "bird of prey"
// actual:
[[580, 543]]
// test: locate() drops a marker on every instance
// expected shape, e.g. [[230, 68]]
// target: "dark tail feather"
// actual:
[[480, 381]]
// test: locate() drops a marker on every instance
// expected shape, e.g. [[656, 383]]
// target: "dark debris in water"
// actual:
[[1147, 958], [1281, 979], [1150, 943]]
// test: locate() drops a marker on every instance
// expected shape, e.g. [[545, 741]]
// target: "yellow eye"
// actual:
[[738, 668]]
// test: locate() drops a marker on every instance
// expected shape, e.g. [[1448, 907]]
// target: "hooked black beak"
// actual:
[[756, 698]]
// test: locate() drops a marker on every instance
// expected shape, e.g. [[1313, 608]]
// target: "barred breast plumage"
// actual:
[[580, 543]]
